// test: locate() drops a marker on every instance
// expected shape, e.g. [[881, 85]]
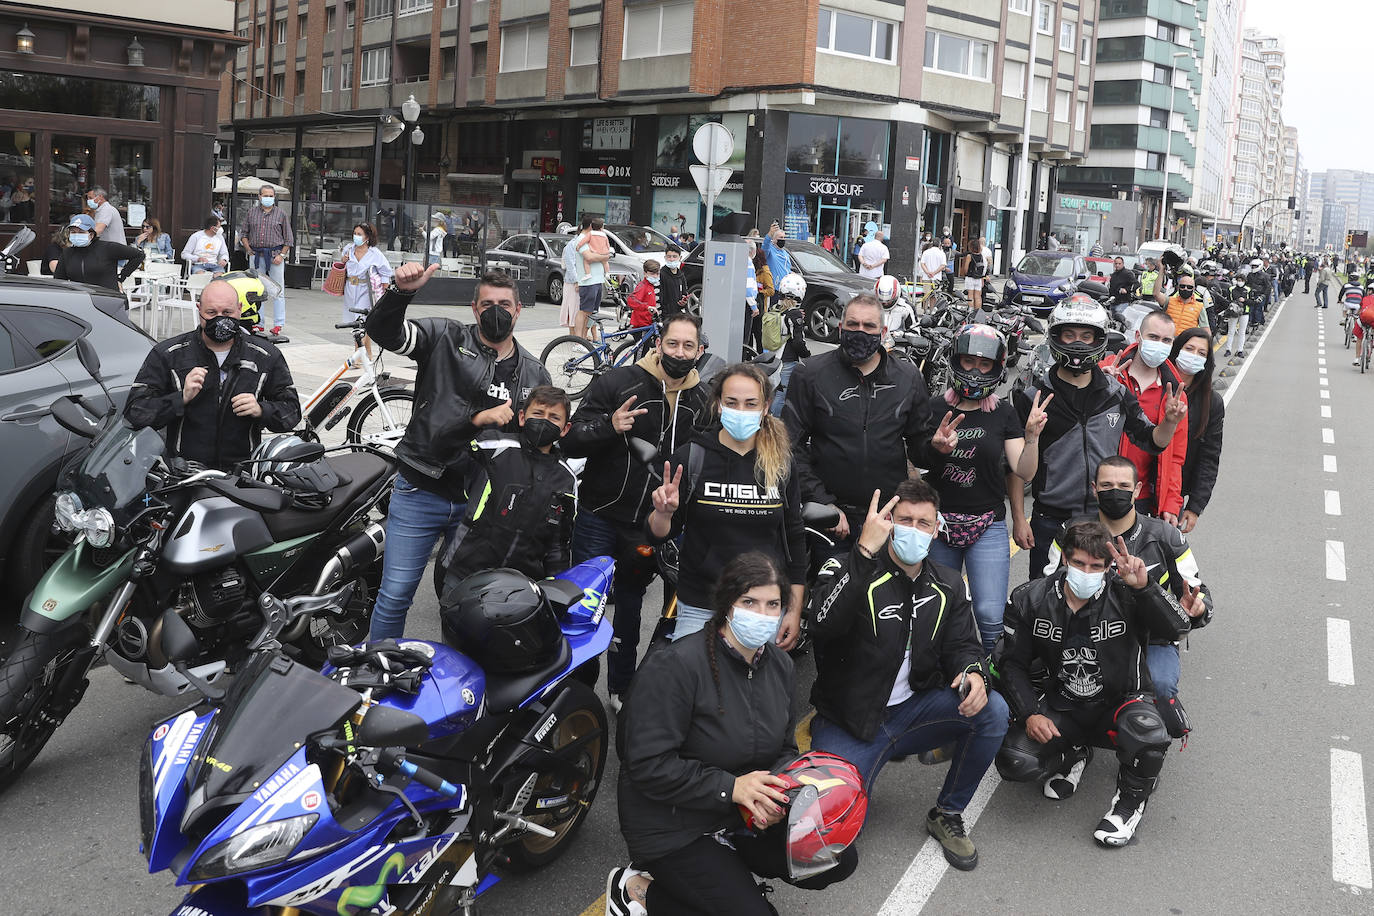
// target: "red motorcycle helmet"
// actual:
[[827, 805]]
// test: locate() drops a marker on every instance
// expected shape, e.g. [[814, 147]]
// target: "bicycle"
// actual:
[[574, 361], [1347, 322], [381, 417]]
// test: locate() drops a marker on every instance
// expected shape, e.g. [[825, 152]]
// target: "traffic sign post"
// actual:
[[724, 268]]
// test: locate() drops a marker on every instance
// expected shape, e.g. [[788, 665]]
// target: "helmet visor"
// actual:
[[808, 853]]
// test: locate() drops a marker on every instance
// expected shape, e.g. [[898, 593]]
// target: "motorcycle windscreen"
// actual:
[[273, 705], [115, 471], [808, 853]]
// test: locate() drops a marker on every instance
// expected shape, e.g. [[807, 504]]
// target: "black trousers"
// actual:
[[1079, 728], [705, 878]]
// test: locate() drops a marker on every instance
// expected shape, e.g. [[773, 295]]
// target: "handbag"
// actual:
[[963, 529], [376, 283], [335, 280]]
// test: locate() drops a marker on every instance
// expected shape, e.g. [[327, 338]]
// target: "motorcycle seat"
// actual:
[[356, 471], [505, 692]]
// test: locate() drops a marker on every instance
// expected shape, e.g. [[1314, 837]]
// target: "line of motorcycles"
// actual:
[[927, 341], [311, 775]]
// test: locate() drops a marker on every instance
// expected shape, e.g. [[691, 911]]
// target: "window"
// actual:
[[448, 62], [524, 47], [1164, 32], [1061, 105], [410, 7], [346, 72], [7, 360], [1014, 79], [376, 66], [329, 18], [280, 31], [258, 35], [857, 36], [656, 29], [327, 78], [1159, 117], [300, 82], [1246, 149], [376, 9], [585, 46], [1080, 115], [1019, 6], [301, 21], [1163, 75], [1067, 32], [1086, 54], [47, 332], [960, 56], [1250, 87], [350, 14], [1250, 107], [479, 59], [1040, 99], [1044, 17], [279, 84], [1154, 161]]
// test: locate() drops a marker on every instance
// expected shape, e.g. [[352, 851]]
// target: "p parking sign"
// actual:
[[720, 259]]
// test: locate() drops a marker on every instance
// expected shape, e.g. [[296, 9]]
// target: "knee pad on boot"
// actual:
[[1174, 716], [1140, 736], [1018, 760]]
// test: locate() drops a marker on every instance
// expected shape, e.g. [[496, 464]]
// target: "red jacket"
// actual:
[[1161, 475], [642, 302]]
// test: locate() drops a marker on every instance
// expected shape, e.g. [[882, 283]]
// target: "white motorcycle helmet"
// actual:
[[1078, 310], [792, 286], [887, 289]]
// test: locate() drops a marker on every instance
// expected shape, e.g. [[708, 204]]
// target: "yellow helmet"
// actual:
[[253, 289]]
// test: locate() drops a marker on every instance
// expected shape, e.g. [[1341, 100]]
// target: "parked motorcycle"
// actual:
[[215, 551], [397, 779]]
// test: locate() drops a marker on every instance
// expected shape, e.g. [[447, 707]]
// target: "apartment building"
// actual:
[[907, 114], [1345, 198], [1207, 212], [1260, 155]]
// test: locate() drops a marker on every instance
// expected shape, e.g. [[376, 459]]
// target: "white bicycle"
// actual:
[[377, 409]]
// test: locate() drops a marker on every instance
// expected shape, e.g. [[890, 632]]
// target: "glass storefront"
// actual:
[[611, 202], [130, 187], [836, 183], [676, 201], [73, 163], [70, 95]]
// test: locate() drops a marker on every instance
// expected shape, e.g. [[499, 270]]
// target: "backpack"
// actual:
[[772, 329], [977, 267]]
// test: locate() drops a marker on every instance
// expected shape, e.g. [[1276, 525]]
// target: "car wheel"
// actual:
[[37, 546], [555, 289], [694, 300], [823, 321]]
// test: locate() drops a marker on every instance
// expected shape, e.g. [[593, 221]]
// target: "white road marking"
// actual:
[[1335, 561], [1329, 464], [1326, 393], [1333, 502], [1340, 661], [1326, 411], [1328, 436], [1349, 825], [1254, 353], [1322, 370], [1321, 362], [925, 871]]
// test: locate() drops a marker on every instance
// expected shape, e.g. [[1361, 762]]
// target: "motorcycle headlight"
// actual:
[[98, 525], [68, 511], [258, 847]]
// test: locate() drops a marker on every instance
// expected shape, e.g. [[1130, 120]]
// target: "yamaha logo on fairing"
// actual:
[[276, 782]]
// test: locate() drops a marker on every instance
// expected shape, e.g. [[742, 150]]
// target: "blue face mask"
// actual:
[[90, 202], [910, 544], [753, 629], [740, 424], [1083, 584], [267, 201], [80, 239], [359, 240], [1154, 352]]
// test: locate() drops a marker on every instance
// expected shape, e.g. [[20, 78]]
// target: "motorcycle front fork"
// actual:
[[113, 612]]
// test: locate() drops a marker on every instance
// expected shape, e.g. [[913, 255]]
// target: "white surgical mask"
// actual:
[[1083, 584], [1154, 352], [80, 239], [359, 240], [1191, 363], [267, 201]]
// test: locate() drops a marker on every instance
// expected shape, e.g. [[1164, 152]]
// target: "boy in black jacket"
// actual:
[[522, 497]]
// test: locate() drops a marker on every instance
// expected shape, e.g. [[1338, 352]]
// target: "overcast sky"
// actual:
[[1327, 72]]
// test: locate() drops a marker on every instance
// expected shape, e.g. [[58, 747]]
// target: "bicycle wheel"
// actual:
[[382, 417], [1349, 330], [572, 363]]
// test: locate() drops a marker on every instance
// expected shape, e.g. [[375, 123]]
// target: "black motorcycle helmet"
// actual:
[[502, 621], [983, 341]]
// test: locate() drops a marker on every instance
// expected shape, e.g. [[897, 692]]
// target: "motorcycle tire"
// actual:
[[347, 629], [27, 677], [586, 716]]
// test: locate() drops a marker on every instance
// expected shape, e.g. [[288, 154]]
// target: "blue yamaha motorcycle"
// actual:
[[393, 782]]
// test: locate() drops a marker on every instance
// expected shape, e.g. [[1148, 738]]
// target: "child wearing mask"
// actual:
[[672, 285], [643, 301]]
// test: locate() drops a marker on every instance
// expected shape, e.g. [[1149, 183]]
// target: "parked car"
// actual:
[[829, 285], [541, 258], [638, 243], [1039, 280], [40, 322]]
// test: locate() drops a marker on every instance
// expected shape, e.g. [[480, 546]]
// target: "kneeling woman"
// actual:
[[707, 723]]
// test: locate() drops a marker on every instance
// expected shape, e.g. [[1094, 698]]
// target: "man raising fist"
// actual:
[[471, 377]]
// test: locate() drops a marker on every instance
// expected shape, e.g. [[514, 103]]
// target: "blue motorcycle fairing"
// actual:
[[455, 698], [173, 744], [217, 900]]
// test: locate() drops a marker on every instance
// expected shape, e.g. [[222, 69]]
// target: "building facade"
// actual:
[[1345, 201], [1208, 212], [119, 95], [901, 114], [1260, 138]]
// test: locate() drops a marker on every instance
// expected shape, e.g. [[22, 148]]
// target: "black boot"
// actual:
[[1119, 824]]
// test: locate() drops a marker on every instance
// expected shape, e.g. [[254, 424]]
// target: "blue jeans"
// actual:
[[262, 260], [1321, 294], [781, 396], [927, 720], [207, 268], [595, 537], [1165, 669], [988, 562], [690, 619], [415, 521]]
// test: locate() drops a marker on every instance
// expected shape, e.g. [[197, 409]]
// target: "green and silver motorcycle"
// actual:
[[157, 544]]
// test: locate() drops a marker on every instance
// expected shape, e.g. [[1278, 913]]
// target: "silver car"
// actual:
[[541, 258], [40, 322]]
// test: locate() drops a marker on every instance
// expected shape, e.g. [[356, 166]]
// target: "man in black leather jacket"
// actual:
[[470, 377], [216, 388]]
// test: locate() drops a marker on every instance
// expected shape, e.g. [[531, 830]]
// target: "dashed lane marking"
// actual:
[[1340, 659], [1328, 436], [1326, 393], [1349, 825], [1333, 502], [1326, 411], [1321, 362], [1335, 561], [1329, 464]]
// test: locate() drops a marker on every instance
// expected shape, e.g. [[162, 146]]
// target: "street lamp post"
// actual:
[[1168, 143], [410, 113]]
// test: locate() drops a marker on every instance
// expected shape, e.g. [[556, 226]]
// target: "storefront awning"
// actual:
[[314, 138]]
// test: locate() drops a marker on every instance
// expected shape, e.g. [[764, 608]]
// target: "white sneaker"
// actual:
[[1119, 823], [618, 901]]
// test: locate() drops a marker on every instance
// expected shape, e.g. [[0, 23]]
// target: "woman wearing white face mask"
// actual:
[[1192, 354], [93, 260], [706, 724], [366, 268], [730, 490]]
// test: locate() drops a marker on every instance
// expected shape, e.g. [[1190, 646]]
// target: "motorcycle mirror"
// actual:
[[386, 726], [646, 453], [90, 360], [73, 418], [178, 642], [819, 515]]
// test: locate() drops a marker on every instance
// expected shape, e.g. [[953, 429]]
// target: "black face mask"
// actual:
[[1185, 292], [496, 324], [676, 367], [221, 328], [857, 346], [782, 243], [1115, 503], [538, 432]]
